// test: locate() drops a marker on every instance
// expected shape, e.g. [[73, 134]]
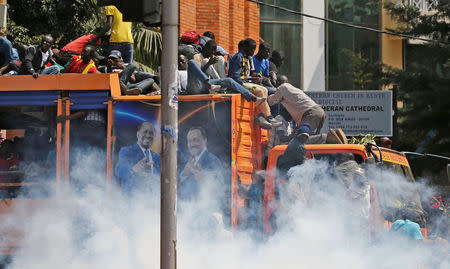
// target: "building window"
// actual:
[[283, 31], [344, 42]]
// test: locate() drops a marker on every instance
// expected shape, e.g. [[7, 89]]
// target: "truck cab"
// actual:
[[362, 154]]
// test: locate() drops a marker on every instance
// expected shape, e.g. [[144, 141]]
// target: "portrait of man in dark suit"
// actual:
[[202, 166], [138, 165]]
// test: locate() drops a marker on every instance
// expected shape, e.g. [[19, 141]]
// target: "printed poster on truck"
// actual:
[[356, 112], [204, 147]]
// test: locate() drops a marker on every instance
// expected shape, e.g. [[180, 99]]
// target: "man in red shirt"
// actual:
[[83, 64]]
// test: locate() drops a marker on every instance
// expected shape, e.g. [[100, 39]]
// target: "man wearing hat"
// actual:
[[132, 82]]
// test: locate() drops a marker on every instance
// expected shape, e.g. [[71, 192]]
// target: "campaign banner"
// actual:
[[204, 148], [356, 112]]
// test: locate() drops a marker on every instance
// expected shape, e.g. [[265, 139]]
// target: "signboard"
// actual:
[[356, 112]]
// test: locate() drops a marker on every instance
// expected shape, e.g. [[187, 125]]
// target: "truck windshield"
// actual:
[[399, 197]]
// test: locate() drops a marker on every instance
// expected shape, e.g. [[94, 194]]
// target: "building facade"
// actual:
[[319, 56]]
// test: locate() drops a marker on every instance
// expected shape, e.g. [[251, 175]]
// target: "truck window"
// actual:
[[397, 196], [27, 151], [400, 169]]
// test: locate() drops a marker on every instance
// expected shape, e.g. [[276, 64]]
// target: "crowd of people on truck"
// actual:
[[204, 67]]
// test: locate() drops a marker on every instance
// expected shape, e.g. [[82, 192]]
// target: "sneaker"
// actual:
[[274, 122], [123, 88], [135, 91], [262, 122], [303, 137], [333, 138], [214, 88], [342, 136], [155, 87]]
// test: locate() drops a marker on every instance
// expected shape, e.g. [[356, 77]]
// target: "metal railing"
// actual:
[[424, 5]]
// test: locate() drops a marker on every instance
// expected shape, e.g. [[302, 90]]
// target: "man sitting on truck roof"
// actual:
[[132, 82], [240, 70], [36, 59], [83, 64]]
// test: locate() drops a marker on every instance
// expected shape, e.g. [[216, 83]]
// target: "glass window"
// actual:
[[283, 31], [343, 42]]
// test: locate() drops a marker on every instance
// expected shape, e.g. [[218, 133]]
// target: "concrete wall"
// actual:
[[313, 46]]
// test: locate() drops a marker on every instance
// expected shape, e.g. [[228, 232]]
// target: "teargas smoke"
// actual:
[[322, 222]]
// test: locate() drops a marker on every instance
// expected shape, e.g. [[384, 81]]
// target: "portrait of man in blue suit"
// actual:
[[138, 165], [203, 166]]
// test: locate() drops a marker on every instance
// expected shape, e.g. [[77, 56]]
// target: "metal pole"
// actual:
[[169, 134], [4, 14]]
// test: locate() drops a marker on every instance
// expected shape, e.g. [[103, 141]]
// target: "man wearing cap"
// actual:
[[83, 64], [132, 82], [138, 164]]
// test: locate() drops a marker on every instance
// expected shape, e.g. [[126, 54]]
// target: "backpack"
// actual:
[[190, 37]]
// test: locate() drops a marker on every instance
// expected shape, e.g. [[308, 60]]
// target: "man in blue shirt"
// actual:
[[7, 54], [261, 63]]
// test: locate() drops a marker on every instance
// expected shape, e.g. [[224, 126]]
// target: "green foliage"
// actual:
[[147, 45], [362, 139], [424, 84], [365, 74], [65, 20]]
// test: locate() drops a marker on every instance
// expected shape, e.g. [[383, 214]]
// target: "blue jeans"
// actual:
[[126, 73], [126, 49], [196, 77], [51, 70], [143, 85]]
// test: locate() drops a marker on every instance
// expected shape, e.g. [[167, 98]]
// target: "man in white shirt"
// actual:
[[37, 57]]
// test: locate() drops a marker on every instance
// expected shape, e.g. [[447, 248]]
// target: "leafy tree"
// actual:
[[424, 84], [65, 20], [147, 45]]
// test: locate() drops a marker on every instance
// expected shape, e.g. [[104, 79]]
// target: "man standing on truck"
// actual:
[[300, 106], [138, 164], [121, 38]]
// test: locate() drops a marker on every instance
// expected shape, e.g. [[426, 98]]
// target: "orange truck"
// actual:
[[387, 158], [29, 109]]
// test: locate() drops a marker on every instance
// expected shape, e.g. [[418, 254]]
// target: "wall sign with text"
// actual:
[[356, 112]]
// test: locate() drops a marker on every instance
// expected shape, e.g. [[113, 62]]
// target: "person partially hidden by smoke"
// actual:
[[202, 167], [295, 151], [138, 165], [254, 194], [363, 208]]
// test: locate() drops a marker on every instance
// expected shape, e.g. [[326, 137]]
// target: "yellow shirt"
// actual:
[[120, 30]]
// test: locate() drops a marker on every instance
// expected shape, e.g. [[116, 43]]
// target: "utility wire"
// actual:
[[348, 24]]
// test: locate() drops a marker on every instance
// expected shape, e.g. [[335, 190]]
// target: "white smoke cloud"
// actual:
[[90, 228]]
